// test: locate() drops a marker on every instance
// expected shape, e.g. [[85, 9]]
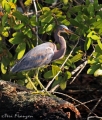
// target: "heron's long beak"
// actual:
[[69, 31]]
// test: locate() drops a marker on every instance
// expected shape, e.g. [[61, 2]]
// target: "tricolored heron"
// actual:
[[43, 54]]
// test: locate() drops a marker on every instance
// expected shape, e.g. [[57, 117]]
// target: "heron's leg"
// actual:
[[28, 78], [41, 85]]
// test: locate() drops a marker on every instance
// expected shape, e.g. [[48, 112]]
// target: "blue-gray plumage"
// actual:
[[43, 54]]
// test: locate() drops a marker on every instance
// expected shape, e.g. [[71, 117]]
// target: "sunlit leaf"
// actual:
[[4, 64], [63, 82], [7, 7], [63, 85], [45, 9], [55, 70], [3, 68], [5, 33], [98, 72], [87, 43], [57, 11], [93, 68], [68, 74], [95, 37], [21, 50], [28, 2], [50, 27], [76, 58], [100, 44], [65, 2], [29, 85], [91, 33]]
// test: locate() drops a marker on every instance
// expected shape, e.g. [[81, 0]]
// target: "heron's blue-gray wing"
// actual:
[[36, 57]]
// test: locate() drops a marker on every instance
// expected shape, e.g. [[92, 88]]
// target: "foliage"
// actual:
[[17, 36]]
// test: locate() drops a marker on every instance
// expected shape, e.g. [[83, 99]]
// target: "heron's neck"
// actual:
[[59, 39]]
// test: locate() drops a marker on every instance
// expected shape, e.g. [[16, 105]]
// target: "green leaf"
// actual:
[[93, 68], [21, 17], [5, 33], [65, 2], [20, 82], [7, 7], [63, 85], [50, 27], [55, 70], [46, 9], [3, 68], [17, 38], [29, 86], [46, 19], [13, 1], [4, 19], [98, 24], [98, 72], [68, 74], [75, 9], [65, 22], [28, 2], [95, 37], [100, 44], [87, 43], [27, 32], [63, 82], [49, 1], [33, 21], [92, 61], [76, 58], [91, 33], [90, 9], [48, 74], [98, 49], [87, 2], [96, 4], [18, 26], [21, 50], [74, 22], [56, 11], [4, 64]]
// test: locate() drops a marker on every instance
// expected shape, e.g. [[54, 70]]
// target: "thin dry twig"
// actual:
[[94, 118], [35, 6], [75, 100], [95, 106], [86, 102], [82, 66]]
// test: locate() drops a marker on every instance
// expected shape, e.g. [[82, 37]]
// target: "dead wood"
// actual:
[[17, 102]]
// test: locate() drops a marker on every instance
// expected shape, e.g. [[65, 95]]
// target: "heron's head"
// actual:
[[63, 28]]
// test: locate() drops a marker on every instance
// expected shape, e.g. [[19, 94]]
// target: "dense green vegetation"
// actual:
[[18, 35]]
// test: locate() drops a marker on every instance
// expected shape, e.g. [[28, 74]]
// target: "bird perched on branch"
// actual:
[[43, 54]]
